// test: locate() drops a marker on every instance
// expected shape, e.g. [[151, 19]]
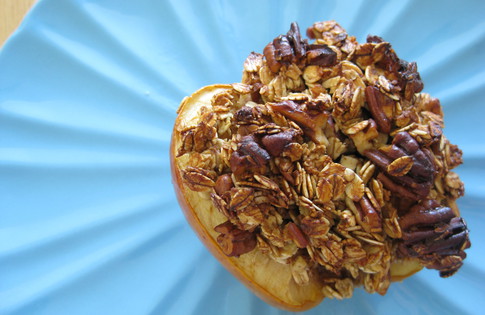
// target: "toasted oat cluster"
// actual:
[[328, 158]]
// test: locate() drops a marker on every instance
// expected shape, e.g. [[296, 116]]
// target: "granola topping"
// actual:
[[329, 158]]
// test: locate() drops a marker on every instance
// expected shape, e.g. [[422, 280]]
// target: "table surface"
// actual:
[[11, 14]]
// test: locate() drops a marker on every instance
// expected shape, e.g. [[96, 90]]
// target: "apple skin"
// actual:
[[268, 279]]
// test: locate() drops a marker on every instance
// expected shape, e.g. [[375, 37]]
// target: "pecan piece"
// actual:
[[294, 36], [223, 184], [285, 49], [396, 188], [246, 115], [310, 124], [433, 234], [411, 80], [233, 241], [187, 142], [320, 55], [269, 53], [297, 235], [249, 157], [249, 147], [374, 39], [256, 92], [454, 158], [293, 111], [276, 143]]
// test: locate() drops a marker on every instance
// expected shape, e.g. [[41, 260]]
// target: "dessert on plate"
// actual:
[[324, 169]]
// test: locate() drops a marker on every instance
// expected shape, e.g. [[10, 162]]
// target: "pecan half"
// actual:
[[428, 212], [233, 241], [381, 107], [407, 169], [433, 234], [368, 216]]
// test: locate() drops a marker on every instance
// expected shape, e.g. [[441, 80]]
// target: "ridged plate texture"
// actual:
[[89, 223]]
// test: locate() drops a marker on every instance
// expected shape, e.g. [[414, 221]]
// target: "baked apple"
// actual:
[[324, 169]]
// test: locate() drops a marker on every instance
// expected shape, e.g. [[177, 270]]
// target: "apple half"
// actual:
[[268, 279]]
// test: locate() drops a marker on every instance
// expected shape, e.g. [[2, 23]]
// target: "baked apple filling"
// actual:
[[324, 169]]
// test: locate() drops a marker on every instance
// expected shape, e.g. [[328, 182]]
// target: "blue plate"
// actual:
[[89, 223]]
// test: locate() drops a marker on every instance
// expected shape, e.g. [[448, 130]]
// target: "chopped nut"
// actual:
[[320, 55], [311, 125], [249, 157], [276, 143], [285, 49], [234, 242], [297, 235], [368, 216], [363, 135], [223, 183]]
